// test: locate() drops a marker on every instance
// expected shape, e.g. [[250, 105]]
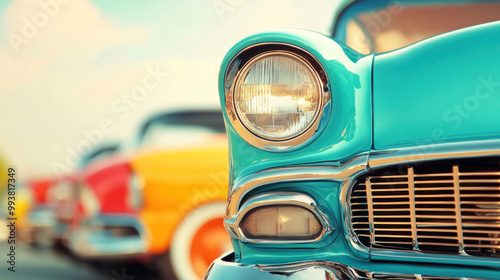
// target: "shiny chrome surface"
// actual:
[[419, 156], [452, 211], [237, 69], [294, 199], [42, 217], [226, 268], [341, 173], [457, 150], [93, 239], [135, 196], [239, 80], [347, 172]]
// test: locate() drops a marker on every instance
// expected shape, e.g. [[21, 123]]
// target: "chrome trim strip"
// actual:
[[369, 201], [90, 242], [458, 150], [278, 198], [238, 68], [413, 210], [415, 256], [341, 173], [458, 209]]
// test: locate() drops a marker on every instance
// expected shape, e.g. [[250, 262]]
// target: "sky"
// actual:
[[77, 73]]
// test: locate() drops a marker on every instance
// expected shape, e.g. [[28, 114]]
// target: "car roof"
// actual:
[[340, 8], [343, 10], [209, 117]]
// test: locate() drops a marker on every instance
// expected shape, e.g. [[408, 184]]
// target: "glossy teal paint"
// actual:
[[348, 131], [443, 89], [410, 87]]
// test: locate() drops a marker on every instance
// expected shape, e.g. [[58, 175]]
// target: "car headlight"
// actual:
[[62, 191], [89, 200], [136, 195], [277, 98], [281, 222]]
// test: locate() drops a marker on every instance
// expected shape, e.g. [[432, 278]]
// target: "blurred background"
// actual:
[[62, 76], [88, 87]]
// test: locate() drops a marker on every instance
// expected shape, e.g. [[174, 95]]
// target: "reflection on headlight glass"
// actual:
[[281, 223], [278, 98]]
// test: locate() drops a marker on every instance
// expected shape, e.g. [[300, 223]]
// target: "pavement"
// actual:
[[45, 264]]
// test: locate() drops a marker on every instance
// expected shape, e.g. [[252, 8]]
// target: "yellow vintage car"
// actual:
[[22, 198], [163, 203], [4, 232]]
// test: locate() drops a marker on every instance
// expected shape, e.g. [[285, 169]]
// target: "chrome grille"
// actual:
[[434, 207]]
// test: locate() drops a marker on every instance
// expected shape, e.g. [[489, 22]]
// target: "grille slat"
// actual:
[[475, 181], [434, 182], [434, 207], [436, 237]]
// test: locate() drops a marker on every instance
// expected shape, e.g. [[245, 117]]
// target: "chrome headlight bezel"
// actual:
[[279, 199], [238, 69], [135, 196]]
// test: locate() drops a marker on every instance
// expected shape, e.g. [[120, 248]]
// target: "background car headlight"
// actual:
[[283, 222], [89, 200], [135, 195], [277, 95]]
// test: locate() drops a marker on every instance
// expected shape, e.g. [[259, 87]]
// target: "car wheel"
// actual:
[[198, 241]]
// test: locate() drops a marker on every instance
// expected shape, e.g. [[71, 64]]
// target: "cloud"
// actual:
[[71, 62], [47, 79], [41, 33]]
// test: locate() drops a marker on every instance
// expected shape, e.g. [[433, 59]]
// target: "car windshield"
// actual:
[[175, 135], [99, 153], [181, 129], [396, 26]]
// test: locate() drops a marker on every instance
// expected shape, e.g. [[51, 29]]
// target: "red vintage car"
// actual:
[[63, 196], [159, 204], [41, 218]]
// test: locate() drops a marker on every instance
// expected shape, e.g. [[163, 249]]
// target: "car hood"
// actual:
[[443, 89], [187, 176], [110, 182]]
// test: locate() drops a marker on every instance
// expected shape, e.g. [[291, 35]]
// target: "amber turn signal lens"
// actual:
[[277, 223]]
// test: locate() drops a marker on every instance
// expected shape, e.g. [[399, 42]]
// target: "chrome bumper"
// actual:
[[225, 268], [42, 226], [42, 217], [93, 239]]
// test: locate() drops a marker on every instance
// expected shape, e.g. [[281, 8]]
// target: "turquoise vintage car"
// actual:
[[373, 153]]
